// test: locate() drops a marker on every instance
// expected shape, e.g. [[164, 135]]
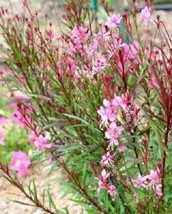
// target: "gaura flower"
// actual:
[[146, 15], [106, 115], [3, 121], [102, 180], [158, 190], [79, 34], [40, 141], [113, 21], [113, 133], [107, 159], [99, 63], [20, 163], [154, 177], [111, 189], [140, 181]]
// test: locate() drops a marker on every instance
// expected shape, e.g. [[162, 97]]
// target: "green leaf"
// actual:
[[23, 203], [51, 201]]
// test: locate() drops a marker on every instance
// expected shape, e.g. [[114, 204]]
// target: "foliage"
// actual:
[[15, 137], [98, 104]]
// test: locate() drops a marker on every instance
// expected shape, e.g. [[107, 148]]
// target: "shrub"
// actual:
[[99, 104]]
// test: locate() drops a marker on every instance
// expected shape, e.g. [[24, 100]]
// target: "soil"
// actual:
[[9, 194]]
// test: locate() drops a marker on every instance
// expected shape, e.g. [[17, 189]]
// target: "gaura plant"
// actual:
[[98, 106]]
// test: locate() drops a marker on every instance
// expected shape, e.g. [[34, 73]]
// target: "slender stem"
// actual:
[[18, 184], [164, 155], [82, 190], [164, 158]]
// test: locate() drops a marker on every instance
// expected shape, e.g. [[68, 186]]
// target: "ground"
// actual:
[[9, 194]]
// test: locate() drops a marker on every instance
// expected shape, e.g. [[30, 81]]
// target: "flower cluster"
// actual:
[[40, 141], [114, 21], [102, 180], [146, 15], [150, 181], [96, 58], [115, 114]]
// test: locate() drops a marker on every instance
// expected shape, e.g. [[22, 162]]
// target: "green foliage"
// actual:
[[162, 1], [67, 107], [16, 138]]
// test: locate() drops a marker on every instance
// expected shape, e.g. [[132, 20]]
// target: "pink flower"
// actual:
[[107, 159], [99, 63], [20, 163], [79, 34], [67, 67], [122, 148], [104, 185], [106, 115], [131, 51], [126, 100], [153, 54], [111, 190], [158, 190], [19, 118], [102, 34], [113, 104], [117, 101], [113, 133], [141, 181], [104, 174], [41, 142], [21, 113], [154, 81], [154, 177], [22, 97], [3, 120], [150, 181], [11, 105], [33, 136], [146, 15], [113, 21], [102, 180], [76, 48]]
